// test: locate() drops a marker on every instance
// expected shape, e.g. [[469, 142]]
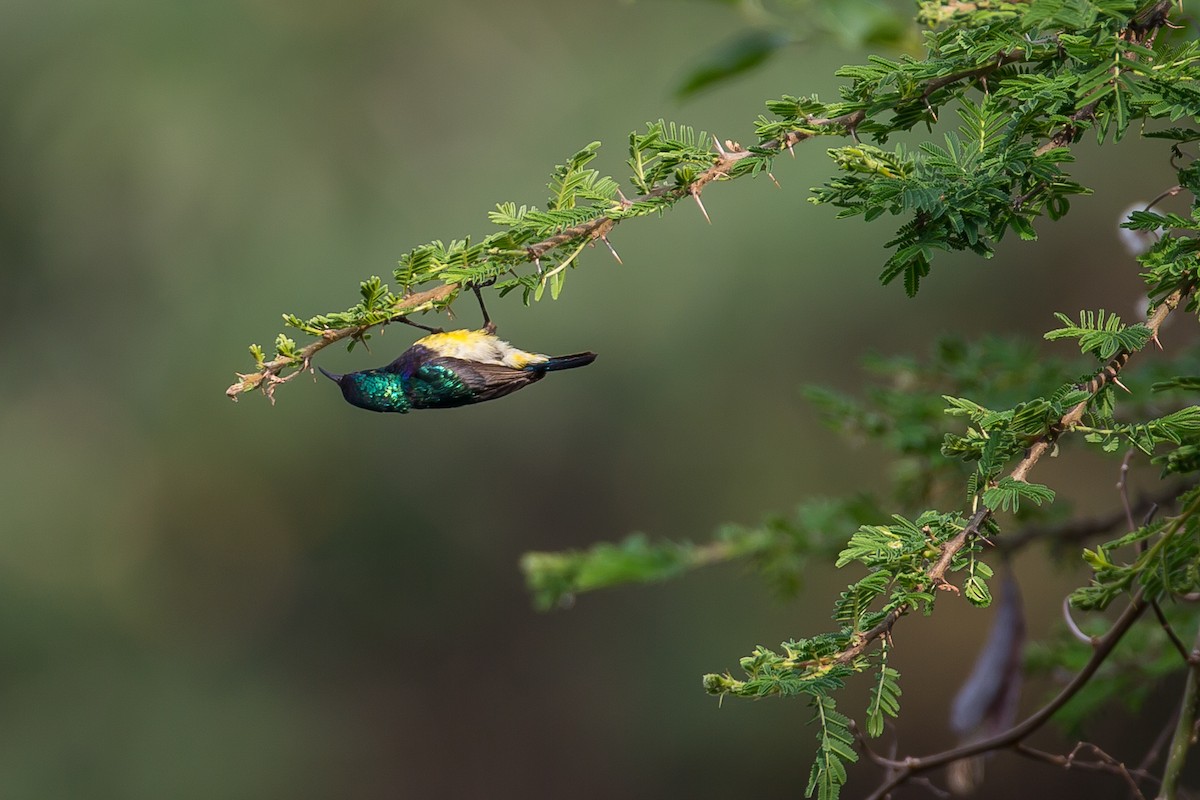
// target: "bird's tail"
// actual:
[[563, 362]]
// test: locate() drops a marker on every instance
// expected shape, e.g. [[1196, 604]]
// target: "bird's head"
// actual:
[[372, 389], [344, 382]]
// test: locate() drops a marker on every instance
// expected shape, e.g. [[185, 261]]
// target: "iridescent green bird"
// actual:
[[451, 368]]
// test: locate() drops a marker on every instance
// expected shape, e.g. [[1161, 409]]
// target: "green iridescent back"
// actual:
[[437, 386]]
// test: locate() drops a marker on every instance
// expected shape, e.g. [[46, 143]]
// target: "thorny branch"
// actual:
[[1101, 762], [951, 548], [908, 767], [1184, 734], [1102, 648], [270, 374]]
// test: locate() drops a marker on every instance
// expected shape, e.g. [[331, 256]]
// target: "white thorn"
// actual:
[[772, 177], [611, 249], [1118, 383], [696, 197], [717, 143]]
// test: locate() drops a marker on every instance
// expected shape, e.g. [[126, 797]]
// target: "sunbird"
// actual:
[[451, 368]]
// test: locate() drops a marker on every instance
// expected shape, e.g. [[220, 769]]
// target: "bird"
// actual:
[[447, 369]]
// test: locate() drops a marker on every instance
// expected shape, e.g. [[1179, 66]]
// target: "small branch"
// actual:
[[910, 767], [1073, 417], [883, 628], [1102, 648], [1123, 489], [723, 161], [1103, 763], [1067, 135], [1002, 59], [1182, 741], [1175, 640], [268, 377]]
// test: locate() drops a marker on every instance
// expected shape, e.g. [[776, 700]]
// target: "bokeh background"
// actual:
[[200, 599]]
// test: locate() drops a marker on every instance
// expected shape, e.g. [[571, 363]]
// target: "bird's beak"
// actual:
[[335, 378]]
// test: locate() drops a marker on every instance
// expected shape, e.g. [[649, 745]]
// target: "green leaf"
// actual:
[[1101, 334], [976, 590], [885, 699], [1008, 493], [835, 748], [740, 54]]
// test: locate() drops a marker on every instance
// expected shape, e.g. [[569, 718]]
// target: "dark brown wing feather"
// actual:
[[489, 381]]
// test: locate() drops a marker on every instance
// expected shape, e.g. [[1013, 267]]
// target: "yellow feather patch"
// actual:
[[479, 346]]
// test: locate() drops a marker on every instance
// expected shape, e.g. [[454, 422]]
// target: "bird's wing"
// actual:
[[484, 381]]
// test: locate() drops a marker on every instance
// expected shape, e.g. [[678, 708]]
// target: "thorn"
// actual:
[[790, 147], [696, 197], [717, 143], [1154, 338], [608, 244], [1117, 381], [624, 199], [537, 262], [772, 177]]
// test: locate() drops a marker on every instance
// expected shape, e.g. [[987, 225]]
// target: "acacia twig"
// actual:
[[270, 373], [1102, 648], [1070, 419], [1181, 741], [910, 767], [1103, 763]]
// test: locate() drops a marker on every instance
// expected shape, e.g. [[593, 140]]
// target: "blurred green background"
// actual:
[[200, 599]]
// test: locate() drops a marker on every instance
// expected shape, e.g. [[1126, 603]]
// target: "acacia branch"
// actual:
[[724, 161], [909, 767], [1102, 648], [1182, 739], [949, 549], [271, 373], [1103, 763]]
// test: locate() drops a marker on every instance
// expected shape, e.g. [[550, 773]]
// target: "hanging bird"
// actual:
[[451, 368]]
